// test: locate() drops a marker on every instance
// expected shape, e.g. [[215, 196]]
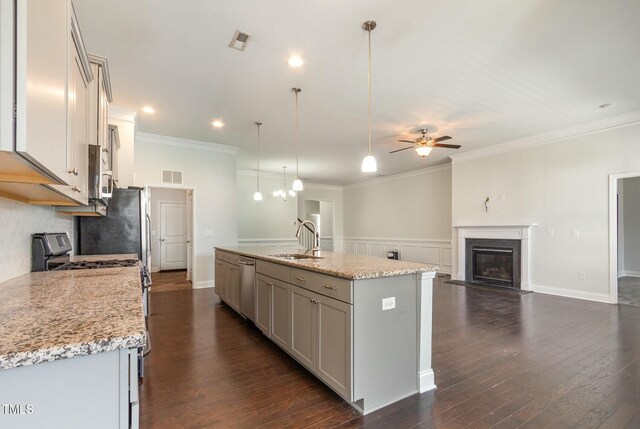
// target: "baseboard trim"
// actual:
[[426, 380], [570, 293], [629, 274], [155, 269], [203, 285]]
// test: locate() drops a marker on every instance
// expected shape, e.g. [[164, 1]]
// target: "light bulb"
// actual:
[[369, 164], [257, 196], [297, 185], [292, 193], [424, 151]]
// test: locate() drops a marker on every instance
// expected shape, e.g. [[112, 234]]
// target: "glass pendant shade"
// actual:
[[424, 151], [257, 196], [297, 185], [369, 164]]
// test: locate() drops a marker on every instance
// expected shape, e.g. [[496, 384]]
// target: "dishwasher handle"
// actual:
[[246, 262]]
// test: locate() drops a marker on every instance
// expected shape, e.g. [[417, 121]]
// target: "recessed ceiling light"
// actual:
[[148, 109], [295, 61], [217, 123], [605, 105]]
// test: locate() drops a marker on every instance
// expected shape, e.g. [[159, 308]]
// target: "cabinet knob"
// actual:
[[76, 189], [74, 172], [269, 284]]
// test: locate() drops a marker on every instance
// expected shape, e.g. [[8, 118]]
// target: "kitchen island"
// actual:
[[69, 348], [361, 324]]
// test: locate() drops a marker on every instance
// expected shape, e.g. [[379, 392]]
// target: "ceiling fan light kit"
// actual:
[[424, 151], [423, 145], [369, 164], [257, 196], [297, 184]]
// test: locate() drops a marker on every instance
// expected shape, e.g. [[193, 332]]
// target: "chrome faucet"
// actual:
[[316, 237]]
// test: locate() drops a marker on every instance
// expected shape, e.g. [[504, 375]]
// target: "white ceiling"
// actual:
[[484, 72]]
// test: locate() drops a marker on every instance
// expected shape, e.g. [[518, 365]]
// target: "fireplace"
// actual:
[[494, 262]]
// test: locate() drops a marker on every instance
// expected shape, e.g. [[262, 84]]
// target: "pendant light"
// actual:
[[283, 193], [258, 195], [369, 164], [297, 184]]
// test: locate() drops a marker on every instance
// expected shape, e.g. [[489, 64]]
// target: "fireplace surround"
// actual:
[[521, 232]]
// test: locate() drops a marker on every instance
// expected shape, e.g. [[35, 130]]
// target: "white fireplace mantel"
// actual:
[[509, 232]]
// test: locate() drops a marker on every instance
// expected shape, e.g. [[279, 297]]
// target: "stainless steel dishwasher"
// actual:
[[247, 287]]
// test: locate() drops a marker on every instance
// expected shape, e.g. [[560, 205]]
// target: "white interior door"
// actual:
[[189, 234], [173, 236]]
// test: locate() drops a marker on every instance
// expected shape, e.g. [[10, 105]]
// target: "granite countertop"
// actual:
[[47, 316], [343, 265], [93, 258]]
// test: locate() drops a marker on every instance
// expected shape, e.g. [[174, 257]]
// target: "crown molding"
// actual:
[[593, 127], [122, 113], [400, 176], [185, 143]]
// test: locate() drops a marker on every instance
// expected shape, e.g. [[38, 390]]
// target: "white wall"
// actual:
[[327, 218], [270, 221], [210, 170], [17, 222], [561, 186], [410, 212], [620, 249], [631, 226], [161, 195]]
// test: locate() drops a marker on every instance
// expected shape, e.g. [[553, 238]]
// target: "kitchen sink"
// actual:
[[296, 256]]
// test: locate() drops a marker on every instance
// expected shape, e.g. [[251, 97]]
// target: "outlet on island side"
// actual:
[[388, 303], [581, 275]]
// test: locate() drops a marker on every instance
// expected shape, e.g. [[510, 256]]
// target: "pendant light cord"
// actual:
[[297, 138], [258, 163], [369, 99]]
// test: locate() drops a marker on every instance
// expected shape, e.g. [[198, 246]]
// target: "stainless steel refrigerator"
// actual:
[[125, 228]]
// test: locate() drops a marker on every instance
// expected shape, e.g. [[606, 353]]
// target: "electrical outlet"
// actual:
[[575, 233], [208, 233], [551, 232], [503, 197], [153, 232], [388, 303], [581, 275]]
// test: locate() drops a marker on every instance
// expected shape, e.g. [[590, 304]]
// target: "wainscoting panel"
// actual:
[[267, 242], [432, 252]]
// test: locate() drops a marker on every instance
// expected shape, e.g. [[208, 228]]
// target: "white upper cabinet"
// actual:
[[42, 52], [44, 144]]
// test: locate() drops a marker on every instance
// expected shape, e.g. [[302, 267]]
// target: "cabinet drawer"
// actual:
[[232, 258], [325, 285], [275, 271]]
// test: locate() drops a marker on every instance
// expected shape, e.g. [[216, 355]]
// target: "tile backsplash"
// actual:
[[17, 222]]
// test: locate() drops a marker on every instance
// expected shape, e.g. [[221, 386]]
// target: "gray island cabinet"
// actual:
[[362, 325]]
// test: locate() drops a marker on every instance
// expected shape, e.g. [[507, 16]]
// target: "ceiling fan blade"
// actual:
[[404, 148], [448, 146], [407, 141], [443, 138]]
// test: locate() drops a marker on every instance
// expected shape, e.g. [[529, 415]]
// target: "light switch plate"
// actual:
[[208, 233], [388, 303], [575, 233]]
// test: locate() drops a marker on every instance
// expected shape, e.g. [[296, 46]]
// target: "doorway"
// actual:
[[171, 212], [624, 238], [321, 213]]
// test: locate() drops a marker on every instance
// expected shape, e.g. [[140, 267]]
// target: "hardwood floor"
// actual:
[[170, 280], [502, 361]]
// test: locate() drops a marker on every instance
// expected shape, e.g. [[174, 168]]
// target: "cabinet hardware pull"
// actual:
[[330, 287], [315, 301], [74, 171], [302, 279], [76, 189], [269, 284]]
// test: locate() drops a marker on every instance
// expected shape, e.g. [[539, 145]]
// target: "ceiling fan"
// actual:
[[424, 145]]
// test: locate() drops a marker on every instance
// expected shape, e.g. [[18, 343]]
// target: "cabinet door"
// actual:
[[233, 286], [303, 329], [263, 304], [334, 344], [280, 315], [42, 61], [78, 120], [219, 278]]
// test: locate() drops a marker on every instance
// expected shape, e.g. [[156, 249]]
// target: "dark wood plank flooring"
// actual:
[[165, 281], [531, 361]]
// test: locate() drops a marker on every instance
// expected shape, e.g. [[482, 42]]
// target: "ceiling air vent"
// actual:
[[173, 177], [240, 40]]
